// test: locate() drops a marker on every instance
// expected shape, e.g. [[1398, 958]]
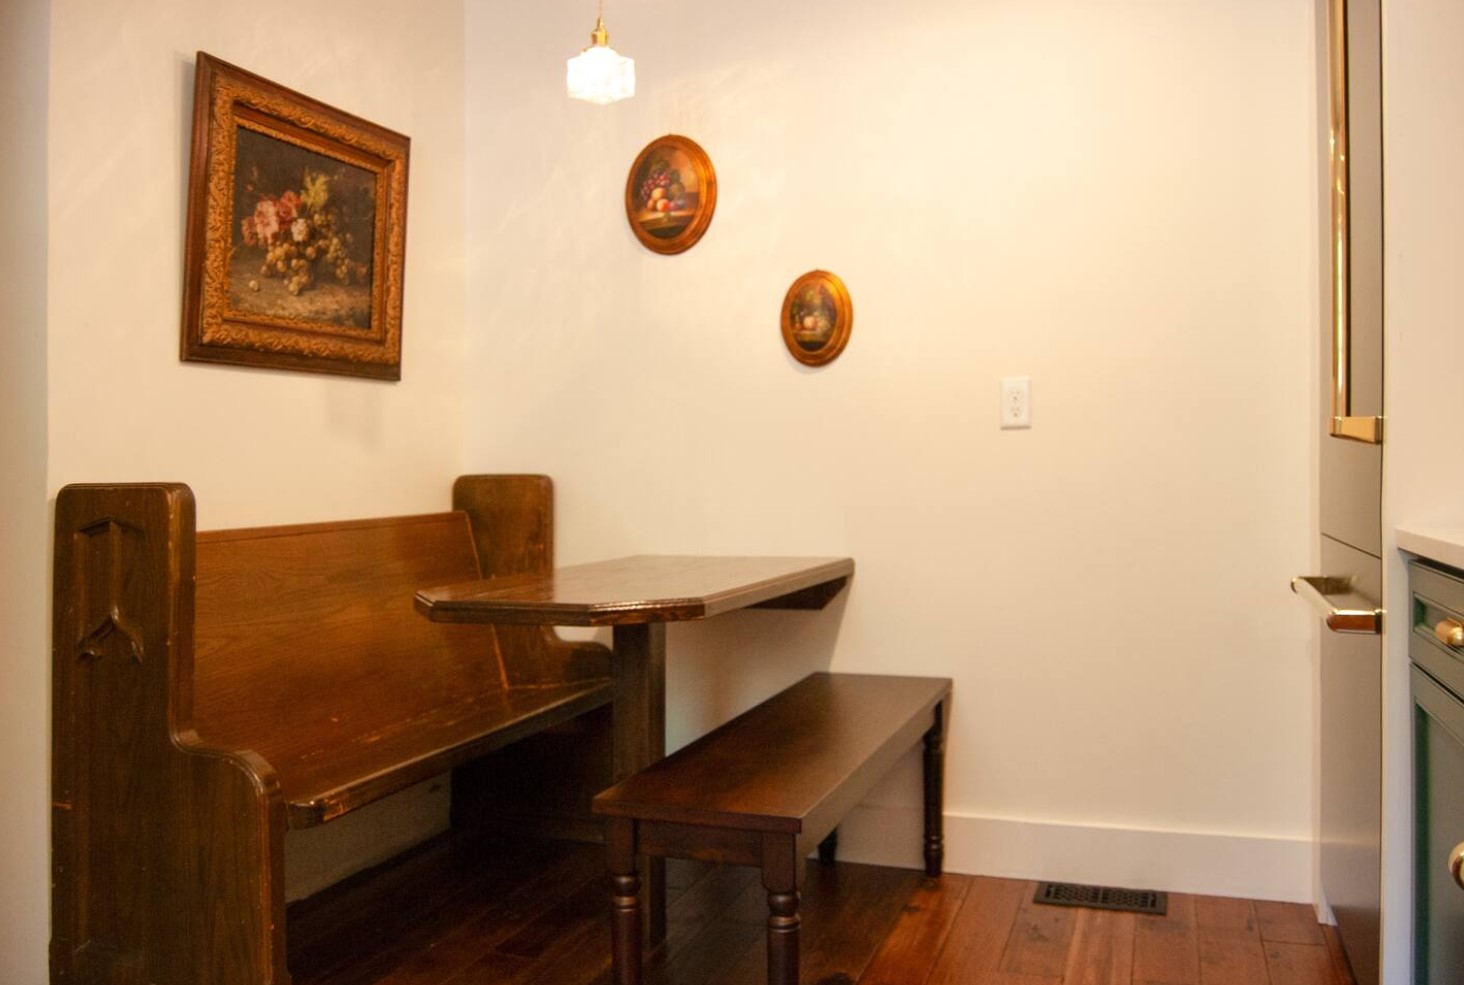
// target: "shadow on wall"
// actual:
[[718, 668]]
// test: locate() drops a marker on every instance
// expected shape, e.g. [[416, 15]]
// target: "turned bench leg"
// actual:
[[935, 794], [783, 922], [625, 905], [780, 870]]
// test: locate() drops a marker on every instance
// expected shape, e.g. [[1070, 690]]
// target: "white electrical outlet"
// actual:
[[1016, 402]]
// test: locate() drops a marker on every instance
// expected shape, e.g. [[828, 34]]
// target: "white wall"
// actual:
[[1423, 474], [24, 546], [256, 446], [1116, 199]]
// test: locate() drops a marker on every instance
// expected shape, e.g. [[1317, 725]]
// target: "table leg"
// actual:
[[935, 794], [640, 739]]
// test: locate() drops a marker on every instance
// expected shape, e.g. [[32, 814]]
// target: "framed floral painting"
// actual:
[[671, 194], [817, 318], [296, 231]]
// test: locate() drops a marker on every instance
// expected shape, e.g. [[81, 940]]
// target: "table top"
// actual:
[[641, 589]]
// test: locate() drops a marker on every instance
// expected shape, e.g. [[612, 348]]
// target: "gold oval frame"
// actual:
[[843, 320], [701, 218]]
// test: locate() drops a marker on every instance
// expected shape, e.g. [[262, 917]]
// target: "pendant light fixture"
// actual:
[[600, 74]]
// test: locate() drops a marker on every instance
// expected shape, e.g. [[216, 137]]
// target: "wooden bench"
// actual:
[[212, 691], [767, 787]]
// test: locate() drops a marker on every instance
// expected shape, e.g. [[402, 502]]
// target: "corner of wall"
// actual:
[[24, 600]]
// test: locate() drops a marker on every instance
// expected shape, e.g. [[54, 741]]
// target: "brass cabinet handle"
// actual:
[[1456, 864], [1344, 610], [1342, 423], [1450, 632]]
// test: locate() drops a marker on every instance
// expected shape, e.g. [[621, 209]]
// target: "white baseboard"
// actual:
[[1173, 861]]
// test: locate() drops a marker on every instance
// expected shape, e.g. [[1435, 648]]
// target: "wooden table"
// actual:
[[637, 596]]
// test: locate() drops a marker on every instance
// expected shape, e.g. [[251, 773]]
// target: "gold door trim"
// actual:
[[1342, 424]]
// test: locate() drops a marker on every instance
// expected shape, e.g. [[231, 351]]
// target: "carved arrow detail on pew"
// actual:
[[102, 548]]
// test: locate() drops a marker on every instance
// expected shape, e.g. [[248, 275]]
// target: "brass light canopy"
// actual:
[[600, 74]]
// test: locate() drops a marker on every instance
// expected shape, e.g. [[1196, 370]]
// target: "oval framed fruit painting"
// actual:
[[817, 318], [670, 194]]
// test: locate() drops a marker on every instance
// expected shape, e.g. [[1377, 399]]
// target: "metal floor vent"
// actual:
[[1102, 897]]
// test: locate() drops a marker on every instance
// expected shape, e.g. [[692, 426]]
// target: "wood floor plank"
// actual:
[[840, 949], [570, 945], [720, 944], [312, 920], [538, 916], [325, 930], [1040, 938], [846, 910], [683, 873], [1230, 942], [1232, 961], [702, 932], [1299, 964], [821, 888], [707, 899], [456, 949], [1102, 950], [1167, 948], [494, 969], [580, 959], [545, 931], [401, 926], [906, 955], [979, 934], [752, 905], [1289, 923], [1221, 916]]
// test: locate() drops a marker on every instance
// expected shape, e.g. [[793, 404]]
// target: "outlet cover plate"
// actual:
[[1016, 402]]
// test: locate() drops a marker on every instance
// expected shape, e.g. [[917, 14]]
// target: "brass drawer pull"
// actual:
[[1450, 632], [1341, 608], [1456, 864]]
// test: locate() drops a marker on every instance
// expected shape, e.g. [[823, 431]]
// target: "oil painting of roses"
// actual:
[[303, 227]]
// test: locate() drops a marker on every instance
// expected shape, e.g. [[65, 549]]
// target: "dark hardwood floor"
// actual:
[[456, 914]]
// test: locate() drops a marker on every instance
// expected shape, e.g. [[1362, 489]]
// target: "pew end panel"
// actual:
[[142, 813], [212, 690], [512, 518]]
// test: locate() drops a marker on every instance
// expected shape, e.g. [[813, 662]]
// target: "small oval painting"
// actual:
[[817, 318], [670, 194]]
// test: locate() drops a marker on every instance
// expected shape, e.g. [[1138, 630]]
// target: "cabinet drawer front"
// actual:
[[1438, 596], [1439, 829]]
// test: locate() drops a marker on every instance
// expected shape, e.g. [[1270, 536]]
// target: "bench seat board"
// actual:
[[308, 652], [349, 772], [794, 764]]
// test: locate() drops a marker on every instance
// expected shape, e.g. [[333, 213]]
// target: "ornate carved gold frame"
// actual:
[[226, 98]]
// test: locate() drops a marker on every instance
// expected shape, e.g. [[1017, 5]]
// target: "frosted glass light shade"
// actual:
[[600, 74]]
